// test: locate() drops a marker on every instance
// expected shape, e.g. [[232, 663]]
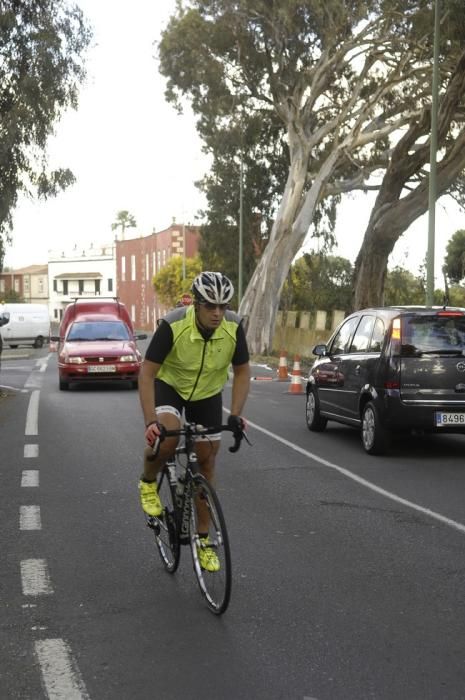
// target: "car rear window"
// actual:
[[430, 334], [97, 330]]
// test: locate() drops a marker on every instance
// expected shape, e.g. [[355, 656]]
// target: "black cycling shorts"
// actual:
[[207, 412]]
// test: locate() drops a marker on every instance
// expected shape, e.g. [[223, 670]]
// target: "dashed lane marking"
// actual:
[[29, 518], [30, 478], [35, 579], [31, 450], [60, 674], [32, 417]]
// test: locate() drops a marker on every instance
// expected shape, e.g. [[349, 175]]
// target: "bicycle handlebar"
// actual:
[[194, 430]]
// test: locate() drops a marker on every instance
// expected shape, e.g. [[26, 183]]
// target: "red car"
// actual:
[[98, 347]]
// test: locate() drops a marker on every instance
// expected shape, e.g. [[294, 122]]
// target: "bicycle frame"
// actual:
[[180, 525]]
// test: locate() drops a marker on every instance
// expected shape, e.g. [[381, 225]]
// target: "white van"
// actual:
[[26, 324]]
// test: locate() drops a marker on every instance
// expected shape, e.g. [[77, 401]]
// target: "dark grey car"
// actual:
[[391, 369]]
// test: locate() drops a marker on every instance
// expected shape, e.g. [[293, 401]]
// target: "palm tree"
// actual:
[[124, 220]]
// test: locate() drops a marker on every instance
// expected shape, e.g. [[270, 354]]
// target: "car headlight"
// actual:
[[128, 358], [75, 360]]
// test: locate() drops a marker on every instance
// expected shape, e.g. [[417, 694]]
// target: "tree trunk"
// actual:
[[389, 219], [261, 299]]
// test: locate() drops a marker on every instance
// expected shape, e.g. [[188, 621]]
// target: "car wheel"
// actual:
[[315, 421], [39, 342], [64, 385], [375, 437]]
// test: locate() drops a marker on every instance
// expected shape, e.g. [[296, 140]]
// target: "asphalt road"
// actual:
[[348, 569]]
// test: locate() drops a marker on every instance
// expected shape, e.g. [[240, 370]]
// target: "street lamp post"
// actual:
[[433, 155], [241, 231]]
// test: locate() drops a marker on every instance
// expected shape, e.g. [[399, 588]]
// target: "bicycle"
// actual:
[[180, 486]]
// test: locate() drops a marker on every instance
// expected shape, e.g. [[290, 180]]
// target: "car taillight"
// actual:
[[391, 385], [396, 336], [450, 313]]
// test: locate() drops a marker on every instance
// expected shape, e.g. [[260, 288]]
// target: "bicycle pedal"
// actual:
[[153, 523]]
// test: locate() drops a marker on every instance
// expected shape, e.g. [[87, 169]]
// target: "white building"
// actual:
[[80, 273]]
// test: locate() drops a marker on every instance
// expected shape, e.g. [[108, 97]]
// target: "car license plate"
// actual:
[[445, 419], [100, 368]]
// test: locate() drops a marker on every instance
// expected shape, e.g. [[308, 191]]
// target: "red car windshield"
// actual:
[[97, 330]]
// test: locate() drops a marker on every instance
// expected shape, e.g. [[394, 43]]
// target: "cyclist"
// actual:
[[189, 357]]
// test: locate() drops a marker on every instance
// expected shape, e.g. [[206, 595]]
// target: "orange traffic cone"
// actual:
[[295, 386], [296, 371], [283, 375]]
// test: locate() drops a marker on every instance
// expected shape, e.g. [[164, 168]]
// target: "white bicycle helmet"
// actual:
[[213, 287]]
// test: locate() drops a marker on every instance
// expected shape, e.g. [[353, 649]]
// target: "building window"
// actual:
[[123, 269], [55, 285], [97, 286], [164, 258], [41, 285], [17, 284], [65, 286], [2, 285], [133, 268], [154, 264], [26, 284], [55, 313], [147, 267], [133, 313], [158, 260], [148, 314], [110, 285], [81, 287]]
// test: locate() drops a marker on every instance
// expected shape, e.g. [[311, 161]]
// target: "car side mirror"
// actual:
[[3, 320], [320, 350]]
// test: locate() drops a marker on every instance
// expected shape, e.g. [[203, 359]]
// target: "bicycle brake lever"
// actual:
[[237, 441]]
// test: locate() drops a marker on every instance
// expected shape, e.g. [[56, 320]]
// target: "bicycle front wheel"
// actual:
[[164, 527], [213, 572]]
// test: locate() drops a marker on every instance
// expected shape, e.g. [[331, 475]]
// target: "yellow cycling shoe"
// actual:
[[149, 498], [207, 556]]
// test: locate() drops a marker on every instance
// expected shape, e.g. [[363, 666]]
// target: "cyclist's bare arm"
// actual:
[[147, 374], [240, 388]]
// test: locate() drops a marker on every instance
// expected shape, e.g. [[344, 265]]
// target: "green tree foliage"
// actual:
[[123, 221], [402, 287], [318, 281], [256, 148], [454, 261], [169, 284], [11, 297], [42, 44]]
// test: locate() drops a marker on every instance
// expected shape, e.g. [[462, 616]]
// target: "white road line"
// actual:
[[31, 450], [60, 674], [364, 482], [34, 381], [32, 417], [35, 579], [29, 518], [30, 478]]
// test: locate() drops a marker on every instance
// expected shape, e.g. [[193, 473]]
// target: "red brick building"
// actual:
[[139, 259]]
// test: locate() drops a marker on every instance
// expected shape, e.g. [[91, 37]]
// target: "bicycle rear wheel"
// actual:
[[164, 527], [215, 586]]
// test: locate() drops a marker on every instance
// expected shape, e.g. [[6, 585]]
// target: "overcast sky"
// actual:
[[130, 150]]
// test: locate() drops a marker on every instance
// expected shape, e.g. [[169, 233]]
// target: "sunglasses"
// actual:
[[211, 307]]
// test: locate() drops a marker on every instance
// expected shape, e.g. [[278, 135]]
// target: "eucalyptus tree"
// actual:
[[344, 78], [42, 49]]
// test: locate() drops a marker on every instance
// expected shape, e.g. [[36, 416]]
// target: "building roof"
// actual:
[[30, 270], [79, 276]]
